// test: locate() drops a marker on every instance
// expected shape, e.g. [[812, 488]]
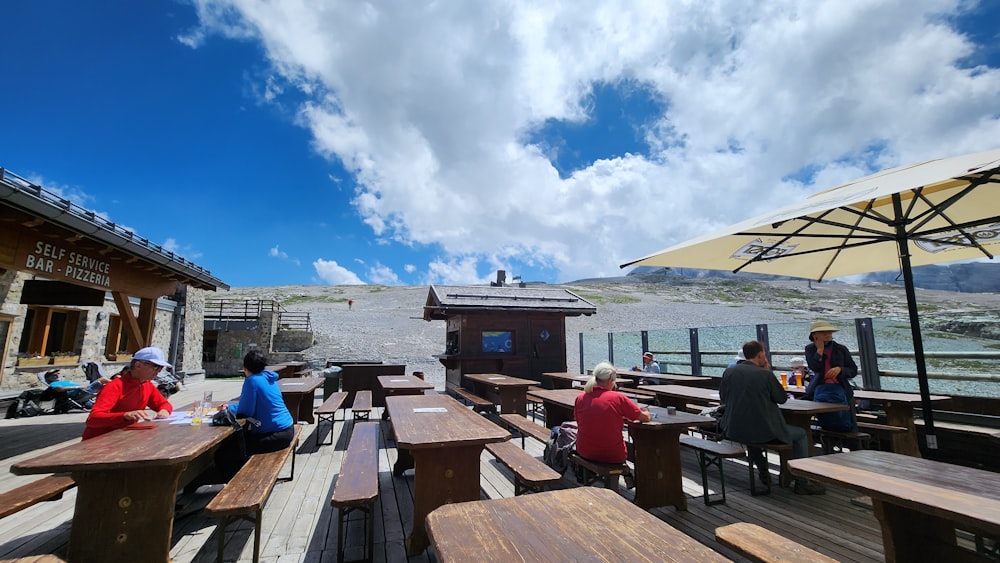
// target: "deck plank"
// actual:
[[300, 525]]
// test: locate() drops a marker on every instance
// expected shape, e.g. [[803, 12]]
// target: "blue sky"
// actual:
[[408, 142]]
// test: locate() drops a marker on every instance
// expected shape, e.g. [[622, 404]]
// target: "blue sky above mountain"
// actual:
[[436, 142]]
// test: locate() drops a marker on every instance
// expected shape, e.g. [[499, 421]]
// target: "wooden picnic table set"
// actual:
[[126, 482], [509, 393]]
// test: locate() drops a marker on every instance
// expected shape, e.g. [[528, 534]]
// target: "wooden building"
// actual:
[[516, 331], [76, 287]]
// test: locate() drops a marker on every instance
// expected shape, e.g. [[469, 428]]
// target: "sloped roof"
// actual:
[[447, 300], [25, 203]]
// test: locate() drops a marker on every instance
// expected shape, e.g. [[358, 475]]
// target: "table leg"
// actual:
[[292, 402], [556, 414], [908, 535], [803, 421], [124, 515], [514, 400], [901, 414], [441, 476], [306, 407], [658, 480], [404, 461]]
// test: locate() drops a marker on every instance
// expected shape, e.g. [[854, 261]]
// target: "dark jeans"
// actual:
[[228, 460]]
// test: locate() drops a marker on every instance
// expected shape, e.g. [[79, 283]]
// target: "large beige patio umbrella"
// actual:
[[928, 213]]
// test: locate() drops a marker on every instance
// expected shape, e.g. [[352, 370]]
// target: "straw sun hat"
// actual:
[[821, 326]]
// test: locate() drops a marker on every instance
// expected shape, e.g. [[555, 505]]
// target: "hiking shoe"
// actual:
[[765, 478], [629, 482], [806, 487]]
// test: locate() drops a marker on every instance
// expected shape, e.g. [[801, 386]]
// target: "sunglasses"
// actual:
[[155, 367]]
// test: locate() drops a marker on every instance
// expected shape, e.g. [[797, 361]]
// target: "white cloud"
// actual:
[[383, 275], [431, 106], [275, 252], [334, 274]]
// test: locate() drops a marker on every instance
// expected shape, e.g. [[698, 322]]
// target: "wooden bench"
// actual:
[[526, 427], [327, 412], [478, 403], [883, 432], [362, 408], [763, 545], [530, 474], [784, 451], [831, 441], [245, 494], [712, 453], [30, 494], [591, 471], [357, 484]]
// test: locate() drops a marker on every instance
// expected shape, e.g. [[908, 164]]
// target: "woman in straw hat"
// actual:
[[830, 361]]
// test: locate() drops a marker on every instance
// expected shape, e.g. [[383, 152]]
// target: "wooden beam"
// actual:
[[129, 322]]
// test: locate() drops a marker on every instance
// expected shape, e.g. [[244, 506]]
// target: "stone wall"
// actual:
[[292, 341], [181, 316]]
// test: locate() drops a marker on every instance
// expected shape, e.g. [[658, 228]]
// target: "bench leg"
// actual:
[[223, 524], [332, 420], [341, 522], [705, 461], [256, 534]]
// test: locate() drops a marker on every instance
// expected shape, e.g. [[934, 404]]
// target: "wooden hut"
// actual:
[[516, 331]]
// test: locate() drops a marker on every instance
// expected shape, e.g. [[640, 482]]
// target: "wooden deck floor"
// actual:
[[300, 526]]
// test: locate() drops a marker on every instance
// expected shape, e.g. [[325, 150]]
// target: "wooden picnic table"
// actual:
[[559, 404], [670, 378], [658, 479], [299, 394], [797, 412], [394, 385], [565, 380], [657, 447], [511, 393], [442, 441], [127, 481], [898, 412], [283, 370], [581, 524], [918, 502]]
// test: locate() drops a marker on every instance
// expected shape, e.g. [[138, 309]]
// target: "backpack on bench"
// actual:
[[839, 421]]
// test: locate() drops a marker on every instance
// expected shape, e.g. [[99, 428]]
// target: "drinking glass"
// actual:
[[197, 412]]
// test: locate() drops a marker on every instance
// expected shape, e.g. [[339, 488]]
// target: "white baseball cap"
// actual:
[[153, 355]]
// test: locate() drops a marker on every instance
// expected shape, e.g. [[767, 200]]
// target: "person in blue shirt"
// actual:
[[269, 428], [82, 393]]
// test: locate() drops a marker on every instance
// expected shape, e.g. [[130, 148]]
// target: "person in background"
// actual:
[[830, 361], [751, 394], [125, 400], [649, 365], [739, 358], [75, 391], [798, 365], [599, 412], [260, 402]]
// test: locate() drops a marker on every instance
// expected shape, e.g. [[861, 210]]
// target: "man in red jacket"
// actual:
[[125, 399]]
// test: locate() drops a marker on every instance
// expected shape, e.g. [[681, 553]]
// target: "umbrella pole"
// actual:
[[911, 306]]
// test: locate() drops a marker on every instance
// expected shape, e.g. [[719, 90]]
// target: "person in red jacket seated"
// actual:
[[125, 399], [600, 412]]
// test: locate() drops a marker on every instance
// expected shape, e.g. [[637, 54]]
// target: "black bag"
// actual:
[[226, 417]]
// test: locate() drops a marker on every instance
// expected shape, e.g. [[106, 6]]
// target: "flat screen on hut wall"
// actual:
[[498, 342]]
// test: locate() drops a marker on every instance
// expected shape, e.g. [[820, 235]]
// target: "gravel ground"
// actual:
[[386, 323]]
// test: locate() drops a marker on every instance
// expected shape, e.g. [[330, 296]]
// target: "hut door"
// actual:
[[548, 346]]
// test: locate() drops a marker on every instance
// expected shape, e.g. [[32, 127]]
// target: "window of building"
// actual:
[[48, 330]]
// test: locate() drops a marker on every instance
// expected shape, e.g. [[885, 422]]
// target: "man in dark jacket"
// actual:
[[751, 393]]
